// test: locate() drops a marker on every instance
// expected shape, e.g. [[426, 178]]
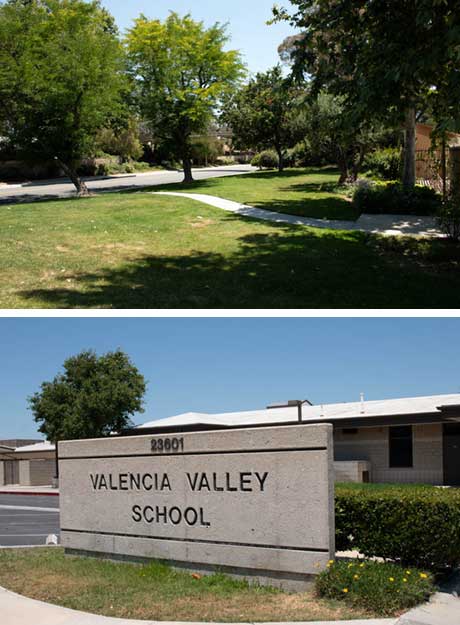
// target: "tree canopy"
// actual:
[[61, 77], [181, 72], [93, 397], [393, 58], [262, 113]]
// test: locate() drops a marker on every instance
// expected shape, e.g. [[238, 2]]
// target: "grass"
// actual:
[[155, 591], [311, 192], [137, 250]]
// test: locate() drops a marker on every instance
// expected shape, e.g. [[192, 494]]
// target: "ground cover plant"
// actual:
[[138, 250], [413, 525], [156, 592], [380, 587]]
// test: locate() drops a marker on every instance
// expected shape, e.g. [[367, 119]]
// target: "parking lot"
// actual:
[[27, 520]]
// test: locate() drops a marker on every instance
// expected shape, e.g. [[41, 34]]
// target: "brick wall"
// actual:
[[372, 444]]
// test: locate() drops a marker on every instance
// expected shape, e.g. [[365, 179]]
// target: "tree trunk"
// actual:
[[343, 168], [187, 163], [279, 151], [409, 150], [82, 189], [358, 163]]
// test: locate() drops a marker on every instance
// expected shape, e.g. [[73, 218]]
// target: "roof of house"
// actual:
[[336, 412], [36, 447]]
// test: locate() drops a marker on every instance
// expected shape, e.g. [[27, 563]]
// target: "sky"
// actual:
[[247, 22], [219, 365]]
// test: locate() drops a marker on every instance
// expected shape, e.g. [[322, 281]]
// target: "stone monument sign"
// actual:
[[252, 502]]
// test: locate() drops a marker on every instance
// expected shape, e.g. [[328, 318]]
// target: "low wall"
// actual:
[[353, 471]]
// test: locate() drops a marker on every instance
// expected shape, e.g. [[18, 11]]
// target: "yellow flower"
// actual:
[[355, 576], [423, 575], [331, 562], [350, 565], [392, 579], [361, 566], [405, 580], [345, 590], [408, 573]]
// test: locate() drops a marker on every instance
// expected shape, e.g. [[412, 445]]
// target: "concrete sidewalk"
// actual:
[[17, 610], [443, 609], [387, 225]]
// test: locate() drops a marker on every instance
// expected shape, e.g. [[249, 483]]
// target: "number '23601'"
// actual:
[[167, 445]]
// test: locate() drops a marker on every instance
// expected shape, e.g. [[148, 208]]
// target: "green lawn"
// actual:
[[311, 192], [155, 592], [138, 250]]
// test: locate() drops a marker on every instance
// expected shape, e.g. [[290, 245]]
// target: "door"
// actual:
[[11, 471], [452, 454]]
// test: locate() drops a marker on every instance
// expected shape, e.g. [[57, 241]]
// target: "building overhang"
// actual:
[[439, 417]]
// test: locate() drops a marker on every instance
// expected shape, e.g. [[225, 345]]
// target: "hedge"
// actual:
[[391, 198], [416, 526]]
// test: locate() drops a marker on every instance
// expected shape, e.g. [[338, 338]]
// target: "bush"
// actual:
[[385, 164], [449, 218], [266, 160], [416, 525], [379, 587], [392, 198]]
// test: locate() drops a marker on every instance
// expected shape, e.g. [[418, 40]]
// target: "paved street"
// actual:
[[60, 188], [27, 520]]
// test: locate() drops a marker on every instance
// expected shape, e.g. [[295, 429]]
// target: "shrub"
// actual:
[[385, 164], [380, 587], [266, 160], [416, 526], [449, 218], [392, 198]]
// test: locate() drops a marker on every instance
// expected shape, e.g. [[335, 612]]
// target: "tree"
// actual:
[[337, 134], [392, 58], [93, 397], [181, 72], [61, 78], [261, 114], [121, 139]]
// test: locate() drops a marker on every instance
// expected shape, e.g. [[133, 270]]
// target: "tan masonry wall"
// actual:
[[36, 472], [372, 444]]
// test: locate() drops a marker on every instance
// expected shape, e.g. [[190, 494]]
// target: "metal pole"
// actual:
[[299, 407]]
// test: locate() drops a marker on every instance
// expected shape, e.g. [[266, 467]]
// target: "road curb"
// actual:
[[29, 493]]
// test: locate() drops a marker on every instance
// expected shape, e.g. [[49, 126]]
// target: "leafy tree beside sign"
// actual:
[[93, 397]]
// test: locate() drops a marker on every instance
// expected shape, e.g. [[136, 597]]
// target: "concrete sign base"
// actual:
[[257, 503]]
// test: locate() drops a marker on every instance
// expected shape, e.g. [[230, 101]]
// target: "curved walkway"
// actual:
[[18, 610], [388, 225]]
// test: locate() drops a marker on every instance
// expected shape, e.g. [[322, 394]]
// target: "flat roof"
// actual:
[[366, 411]]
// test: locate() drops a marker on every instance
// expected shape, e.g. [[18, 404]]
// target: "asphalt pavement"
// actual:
[[62, 188], [27, 520]]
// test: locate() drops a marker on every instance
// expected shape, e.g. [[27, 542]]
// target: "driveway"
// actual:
[[62, 188], [27, 520]]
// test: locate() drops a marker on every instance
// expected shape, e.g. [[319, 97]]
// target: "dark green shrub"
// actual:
[[380, 587], [266, 160], [449, 218], [392, 199], [417, 525], [385, 164]]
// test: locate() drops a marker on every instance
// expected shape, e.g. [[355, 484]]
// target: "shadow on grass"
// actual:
[[285, 269]]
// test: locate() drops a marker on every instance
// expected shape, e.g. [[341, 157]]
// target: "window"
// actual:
[[401, 447], [350, 431]]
